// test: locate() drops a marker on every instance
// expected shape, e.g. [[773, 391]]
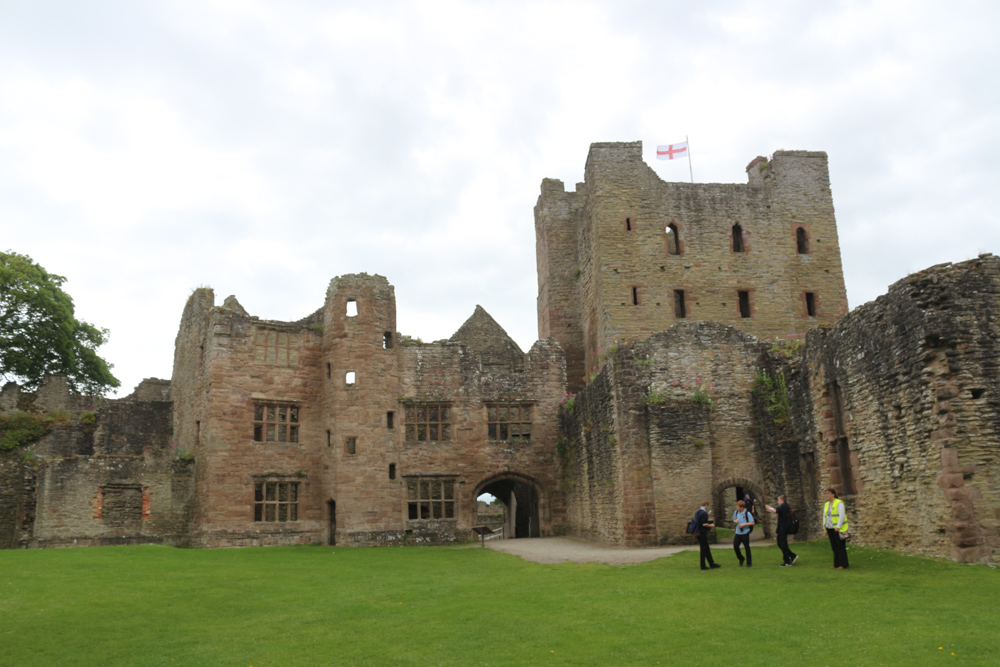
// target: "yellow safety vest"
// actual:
[[834, 513]]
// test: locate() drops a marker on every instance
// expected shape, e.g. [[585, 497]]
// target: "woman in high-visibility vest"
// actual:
[[835, 522]]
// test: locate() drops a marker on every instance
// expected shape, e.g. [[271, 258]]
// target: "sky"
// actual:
[[262, 148]]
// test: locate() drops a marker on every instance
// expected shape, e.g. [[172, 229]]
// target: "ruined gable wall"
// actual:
[[622, 245], [247, 362], [921, 397]]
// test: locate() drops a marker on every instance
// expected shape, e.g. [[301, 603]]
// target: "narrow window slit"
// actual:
[[680, 310], [738, 238], [744, 304]]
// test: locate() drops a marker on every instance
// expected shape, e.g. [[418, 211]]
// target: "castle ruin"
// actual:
[[695, 342]]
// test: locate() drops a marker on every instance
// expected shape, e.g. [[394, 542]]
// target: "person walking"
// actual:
[[784, 512], [744, 524], [835, 522], [702, 515]]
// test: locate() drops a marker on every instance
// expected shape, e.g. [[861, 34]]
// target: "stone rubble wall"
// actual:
[[918, 374], [53, 492]]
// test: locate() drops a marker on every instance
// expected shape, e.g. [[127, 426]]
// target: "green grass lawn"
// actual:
[[451, 606]]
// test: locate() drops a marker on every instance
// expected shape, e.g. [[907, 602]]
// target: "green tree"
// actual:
[[40, 335]]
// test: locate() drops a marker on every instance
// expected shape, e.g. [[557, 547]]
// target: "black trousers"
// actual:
[[787, 555], [745, 541], [839, 547], [706, 552]]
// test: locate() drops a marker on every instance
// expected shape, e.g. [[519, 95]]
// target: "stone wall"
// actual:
[[667, 424], [104, 473], [226, 364], [916, 452], [99, 501]]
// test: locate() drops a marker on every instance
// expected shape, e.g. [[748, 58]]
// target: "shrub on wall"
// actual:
[[21, 429]]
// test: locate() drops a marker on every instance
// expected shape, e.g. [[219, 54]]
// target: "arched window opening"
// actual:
[[738, 238], [801, 241], [673, 239]]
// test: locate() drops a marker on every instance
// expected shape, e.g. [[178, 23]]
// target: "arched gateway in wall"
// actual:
[[725, 494], [523, 502]]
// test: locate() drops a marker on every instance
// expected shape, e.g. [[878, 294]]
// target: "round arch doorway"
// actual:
[[725, 497], [520, 497]]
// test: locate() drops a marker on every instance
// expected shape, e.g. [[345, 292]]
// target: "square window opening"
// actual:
[[352, 308]]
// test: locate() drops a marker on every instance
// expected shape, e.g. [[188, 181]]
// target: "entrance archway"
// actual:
[[724, 500], [520, 497]]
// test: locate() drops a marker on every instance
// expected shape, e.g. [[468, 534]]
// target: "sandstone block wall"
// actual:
[[351, 377]]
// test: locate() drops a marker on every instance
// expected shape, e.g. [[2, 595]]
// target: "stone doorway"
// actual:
[[520, 498], [725, 497]]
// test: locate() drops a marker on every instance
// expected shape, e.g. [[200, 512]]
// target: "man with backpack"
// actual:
[[786, 519], [703, 526]]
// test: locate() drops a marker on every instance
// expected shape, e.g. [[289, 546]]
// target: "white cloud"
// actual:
[[263, 148]]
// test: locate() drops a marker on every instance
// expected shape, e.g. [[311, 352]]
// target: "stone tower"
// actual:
[[627, 254]]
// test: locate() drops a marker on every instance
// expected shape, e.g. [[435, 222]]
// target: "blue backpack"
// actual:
[[693, 528]]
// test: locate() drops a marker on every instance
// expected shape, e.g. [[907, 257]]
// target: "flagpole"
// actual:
[[690, 169]]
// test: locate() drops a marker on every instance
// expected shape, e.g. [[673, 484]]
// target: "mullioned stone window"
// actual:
[[428, 422], [275, 423], [276, 501], [275, 348], [430, 498], [508, 421]]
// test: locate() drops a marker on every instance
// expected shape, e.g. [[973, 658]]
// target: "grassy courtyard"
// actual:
[[470, 606]]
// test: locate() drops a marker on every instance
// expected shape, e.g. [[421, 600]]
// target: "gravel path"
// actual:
[[573, 550]]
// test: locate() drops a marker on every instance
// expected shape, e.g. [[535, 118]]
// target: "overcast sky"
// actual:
[[261, 148]]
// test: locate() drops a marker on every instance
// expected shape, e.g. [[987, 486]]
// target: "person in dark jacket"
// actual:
[[703, 517], [783, 511]]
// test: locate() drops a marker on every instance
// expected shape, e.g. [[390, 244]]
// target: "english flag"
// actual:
[[672, 151]]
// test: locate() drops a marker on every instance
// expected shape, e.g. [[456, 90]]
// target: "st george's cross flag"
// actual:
[[672, 151]]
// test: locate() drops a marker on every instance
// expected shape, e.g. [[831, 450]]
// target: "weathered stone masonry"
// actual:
[[658, 306]]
